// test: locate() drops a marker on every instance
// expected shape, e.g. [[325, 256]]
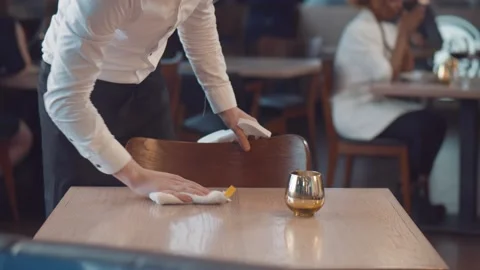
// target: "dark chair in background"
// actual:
[[292, 104], [268, 164], [350, 149], [173, 82]]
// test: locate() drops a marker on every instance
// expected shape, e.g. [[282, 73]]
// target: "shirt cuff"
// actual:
[[110, 159], [221, 98]]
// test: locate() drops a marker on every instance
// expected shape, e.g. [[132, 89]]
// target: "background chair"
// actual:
[[198, 122], [293, 103], [268, 164], [350, 149], [173, 82]]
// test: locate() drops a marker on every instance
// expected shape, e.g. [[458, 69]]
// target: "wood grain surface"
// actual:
[[356, 229]]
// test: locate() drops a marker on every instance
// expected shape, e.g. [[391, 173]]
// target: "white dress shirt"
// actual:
[[122, 41], [361, 59]]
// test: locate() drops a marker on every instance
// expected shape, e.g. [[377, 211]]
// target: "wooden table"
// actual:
[[356, 229], [25, 81], [265, 67], [467, 220]]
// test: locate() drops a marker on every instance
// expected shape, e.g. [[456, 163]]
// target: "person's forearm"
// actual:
[[200, 40], [408, 61], [400, 51]]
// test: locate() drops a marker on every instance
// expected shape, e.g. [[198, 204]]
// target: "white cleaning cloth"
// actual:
[[214, 197]]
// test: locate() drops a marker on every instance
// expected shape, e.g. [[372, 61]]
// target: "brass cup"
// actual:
[[305, 193]]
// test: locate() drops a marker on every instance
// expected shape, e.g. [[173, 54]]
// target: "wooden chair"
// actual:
[[268, 164], [290, 105], [173, 82], [350, 149], [7, 169]]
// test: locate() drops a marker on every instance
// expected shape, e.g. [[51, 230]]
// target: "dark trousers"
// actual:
[[423, 132], [129, 110]]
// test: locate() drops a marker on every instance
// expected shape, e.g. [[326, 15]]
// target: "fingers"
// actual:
[[242, 138], [190, 185], [194, 191], [183, 197], [180, 184]]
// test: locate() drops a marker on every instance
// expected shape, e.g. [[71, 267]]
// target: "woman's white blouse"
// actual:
[[362, 58]]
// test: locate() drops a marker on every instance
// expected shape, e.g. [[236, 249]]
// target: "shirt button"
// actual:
[[70, 139], [98, 166]]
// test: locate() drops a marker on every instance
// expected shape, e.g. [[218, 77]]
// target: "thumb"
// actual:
[[242, 138]]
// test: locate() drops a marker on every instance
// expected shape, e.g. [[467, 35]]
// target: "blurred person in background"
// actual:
[[374, 49], [34, 16], [14, 59]]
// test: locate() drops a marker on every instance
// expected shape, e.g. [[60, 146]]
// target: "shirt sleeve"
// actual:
[[199, 37], [89, 25]]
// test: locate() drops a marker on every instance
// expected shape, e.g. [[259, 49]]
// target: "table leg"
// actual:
[[466, 221], [468, 160]]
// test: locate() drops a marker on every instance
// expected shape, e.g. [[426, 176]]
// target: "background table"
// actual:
[[25, 81], [356, 229], [265, 67], [468, 123]]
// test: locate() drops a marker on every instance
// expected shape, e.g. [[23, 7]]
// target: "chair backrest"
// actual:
[[169, 69], [280, 47], [268, 164], [326, 94]]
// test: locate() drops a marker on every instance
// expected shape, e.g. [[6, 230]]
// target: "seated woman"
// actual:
[[371, 50]]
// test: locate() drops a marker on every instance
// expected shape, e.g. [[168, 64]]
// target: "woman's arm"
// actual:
[[402, 57], [400, 52]]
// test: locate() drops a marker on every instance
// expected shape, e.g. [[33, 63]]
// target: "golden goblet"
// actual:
[[305, 194]]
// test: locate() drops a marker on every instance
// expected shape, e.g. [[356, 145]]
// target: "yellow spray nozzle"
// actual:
[[230, 191]]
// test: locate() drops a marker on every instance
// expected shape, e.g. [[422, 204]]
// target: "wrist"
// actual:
[[129, 174]]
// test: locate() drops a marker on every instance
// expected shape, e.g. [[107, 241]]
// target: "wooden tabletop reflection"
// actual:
[[356, 229]]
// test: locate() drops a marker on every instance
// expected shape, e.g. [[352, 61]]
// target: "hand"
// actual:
[[230, 118], [418, 40], [412, 19], [144, 182]]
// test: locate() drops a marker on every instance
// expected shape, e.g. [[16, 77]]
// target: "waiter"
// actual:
[[98, 88]]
